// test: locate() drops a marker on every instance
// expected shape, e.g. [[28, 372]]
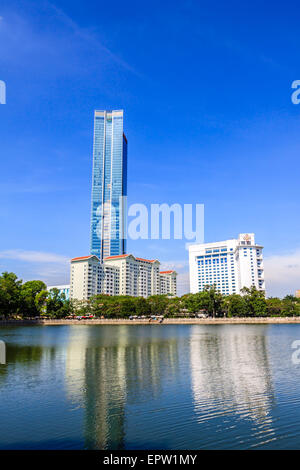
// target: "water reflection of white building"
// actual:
[[75, 362], [96, 380], [230, 373], [107, 369]]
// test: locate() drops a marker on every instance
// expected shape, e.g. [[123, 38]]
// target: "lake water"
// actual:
[[150, 387]]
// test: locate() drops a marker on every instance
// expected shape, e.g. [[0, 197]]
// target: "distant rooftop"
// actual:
[[129, 254]]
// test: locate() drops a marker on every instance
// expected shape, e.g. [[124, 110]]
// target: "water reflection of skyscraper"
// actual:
[[105, 372], [230, 373]]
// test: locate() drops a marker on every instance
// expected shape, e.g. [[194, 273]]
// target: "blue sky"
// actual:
[[206, 91]]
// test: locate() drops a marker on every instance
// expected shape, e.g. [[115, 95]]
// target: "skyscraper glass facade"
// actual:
[[109, 185]]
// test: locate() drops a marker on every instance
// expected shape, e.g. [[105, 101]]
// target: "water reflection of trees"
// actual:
[[24, 358], [30, 348], [112, 372]]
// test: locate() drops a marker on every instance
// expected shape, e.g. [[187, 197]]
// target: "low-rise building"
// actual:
[[89, 277], [168, 282], [63, 289], [111, 280], [139, 277], [119, 275]]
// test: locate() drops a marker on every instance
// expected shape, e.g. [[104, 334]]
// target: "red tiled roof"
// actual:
[[124, 256], [116, 256], [166, 272], [79, 258], [148, 260]]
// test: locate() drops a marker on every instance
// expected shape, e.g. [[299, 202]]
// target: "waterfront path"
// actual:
[[167, 321]]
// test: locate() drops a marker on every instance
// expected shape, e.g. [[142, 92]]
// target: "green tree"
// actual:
[[10, 292], [274, 306], [56, 304], [209, 300], [158, 304], [81, 307], [174, 307], [255, 302], [214, 301], [40, 301], [194, 302], [142, 306], [127, 307], [29, 291], [290, 306], [235, 305], [98, 305]]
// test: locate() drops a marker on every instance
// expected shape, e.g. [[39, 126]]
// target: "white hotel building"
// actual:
[[230, 265], [119, 275]]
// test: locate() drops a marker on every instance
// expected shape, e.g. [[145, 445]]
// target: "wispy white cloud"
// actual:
[[33, 256], [51, 274], [282, 273], [181, 267], [88, 36], [19, 40], [51, 268], [183, 283], [63, 42], [19, 188], [146, 185], [226, 40]]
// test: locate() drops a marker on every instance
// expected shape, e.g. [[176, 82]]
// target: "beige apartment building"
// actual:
[[89, 277], [138, 277], [168, 282], [119, 275]]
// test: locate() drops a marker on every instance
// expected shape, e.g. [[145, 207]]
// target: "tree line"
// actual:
[[31, 299]]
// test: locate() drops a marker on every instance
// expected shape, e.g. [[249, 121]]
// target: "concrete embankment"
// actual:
[[167, 321]]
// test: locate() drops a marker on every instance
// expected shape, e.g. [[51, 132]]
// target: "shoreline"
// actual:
[[167, 321]]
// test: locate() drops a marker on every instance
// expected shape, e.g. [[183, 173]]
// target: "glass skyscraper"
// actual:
[[109, 185]]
